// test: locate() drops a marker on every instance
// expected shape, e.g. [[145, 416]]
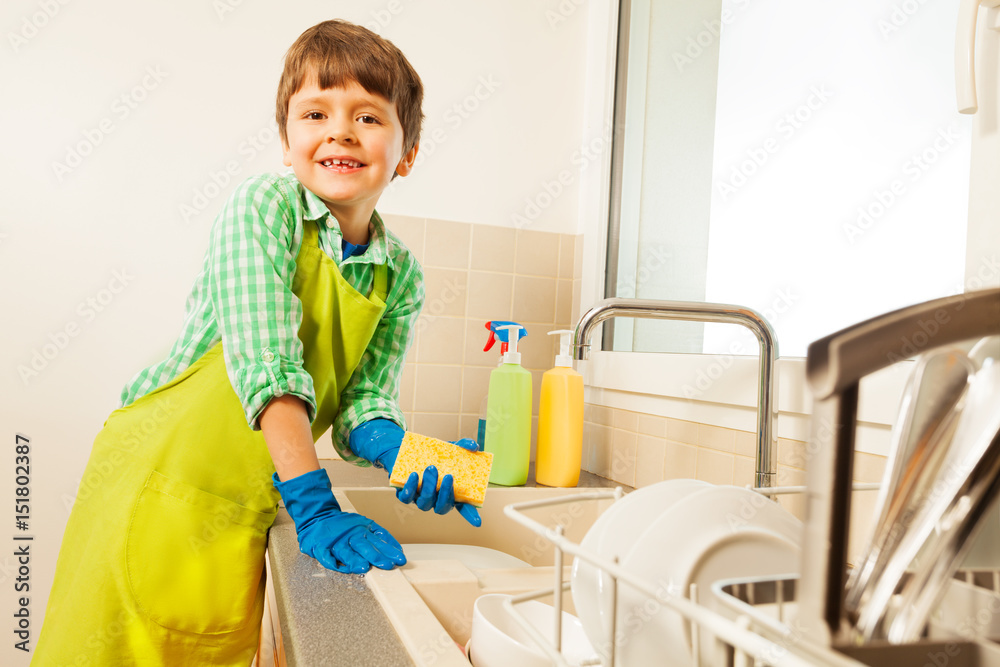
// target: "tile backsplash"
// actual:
[[475, 273]]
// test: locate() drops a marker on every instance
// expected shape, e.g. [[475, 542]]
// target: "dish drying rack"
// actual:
[[761, 634], [765, 629]]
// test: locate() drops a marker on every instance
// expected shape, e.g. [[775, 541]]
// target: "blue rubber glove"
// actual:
[[378, 441], [341, 541]]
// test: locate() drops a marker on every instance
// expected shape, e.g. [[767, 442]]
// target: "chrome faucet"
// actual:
[[767, 409]]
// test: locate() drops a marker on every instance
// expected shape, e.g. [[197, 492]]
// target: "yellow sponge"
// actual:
[[470, 470]]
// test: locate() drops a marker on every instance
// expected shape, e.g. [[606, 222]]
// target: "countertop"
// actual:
[[333, 619]]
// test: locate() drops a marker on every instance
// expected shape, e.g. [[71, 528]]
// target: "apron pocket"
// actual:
[[194, 559]]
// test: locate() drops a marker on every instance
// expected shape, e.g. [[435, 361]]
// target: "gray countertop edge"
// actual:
[[330, 618]]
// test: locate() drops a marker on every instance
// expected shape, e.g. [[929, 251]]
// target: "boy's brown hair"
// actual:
[[339, 52]]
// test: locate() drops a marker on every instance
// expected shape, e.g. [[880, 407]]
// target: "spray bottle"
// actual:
[[496, 333], [560, 420], [508, 416]]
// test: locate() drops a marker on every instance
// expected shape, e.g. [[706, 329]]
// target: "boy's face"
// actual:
[[345, 144]]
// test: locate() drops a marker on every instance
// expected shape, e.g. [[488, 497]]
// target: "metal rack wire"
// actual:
[[763, 629]]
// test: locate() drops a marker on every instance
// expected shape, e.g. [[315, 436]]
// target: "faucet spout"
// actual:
[[767, 440]]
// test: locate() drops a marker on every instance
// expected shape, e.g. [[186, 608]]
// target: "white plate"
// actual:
[[717, 533], [613, 534], [473, 557], [498, 640]]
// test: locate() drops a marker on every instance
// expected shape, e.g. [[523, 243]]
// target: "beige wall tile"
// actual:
[[410, 231], [468, 426], [862, 520], [437, 425], [743, 471], [490, 296], [626, 420], [493, 248], [440, 340], [623, 456], [564, 304], [717, 438], [653, 425], [438, 389], [868, 467], [587, 452], [746, 443], [715, 467], [475, 385], [567, 256], [447, 244], [792, 453], [537, 253], [682, 431], [534, 300], [680, 461], [602, 415], [793, 502], [600, 463], [650, 455], [406, 387], [446, 292], [538, 348]]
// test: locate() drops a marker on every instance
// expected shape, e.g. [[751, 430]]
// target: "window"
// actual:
[[803, 160]]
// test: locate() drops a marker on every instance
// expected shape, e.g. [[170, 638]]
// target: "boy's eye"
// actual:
[[314, 115], [368, 120]]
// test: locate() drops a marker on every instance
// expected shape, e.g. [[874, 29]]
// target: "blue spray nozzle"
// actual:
[[503, 335]]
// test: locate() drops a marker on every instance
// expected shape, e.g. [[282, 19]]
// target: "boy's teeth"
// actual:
[[346, 163]]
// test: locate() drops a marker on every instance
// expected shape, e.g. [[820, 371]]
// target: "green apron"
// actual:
[[162, 561]]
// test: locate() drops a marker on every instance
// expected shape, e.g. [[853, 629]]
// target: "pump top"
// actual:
[[499, 330], [512, 356], [564, 358]]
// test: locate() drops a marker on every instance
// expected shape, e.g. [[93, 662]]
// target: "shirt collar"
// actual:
[[378, 242]]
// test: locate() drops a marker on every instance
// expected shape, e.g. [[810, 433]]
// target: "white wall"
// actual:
[[157, 100]]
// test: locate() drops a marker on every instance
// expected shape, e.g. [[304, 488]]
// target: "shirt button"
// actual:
[[267, 356], [330, 222]]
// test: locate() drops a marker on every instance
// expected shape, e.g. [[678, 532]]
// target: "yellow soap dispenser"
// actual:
[[560, 420]]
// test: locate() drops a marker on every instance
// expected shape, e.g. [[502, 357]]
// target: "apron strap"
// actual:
[[380, 285]]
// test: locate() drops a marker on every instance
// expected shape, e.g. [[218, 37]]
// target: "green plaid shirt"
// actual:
[[243, 297]]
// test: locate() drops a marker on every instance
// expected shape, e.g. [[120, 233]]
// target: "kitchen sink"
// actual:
[[430, 602]]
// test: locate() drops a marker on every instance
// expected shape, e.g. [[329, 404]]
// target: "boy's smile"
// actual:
[[345, 144]]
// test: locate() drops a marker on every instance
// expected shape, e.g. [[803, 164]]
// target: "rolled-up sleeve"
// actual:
[[252, 268], [373, 390]]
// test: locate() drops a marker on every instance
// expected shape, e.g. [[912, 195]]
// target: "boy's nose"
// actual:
[[339, 132]]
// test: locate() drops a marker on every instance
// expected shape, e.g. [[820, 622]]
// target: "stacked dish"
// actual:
[[676, 535]]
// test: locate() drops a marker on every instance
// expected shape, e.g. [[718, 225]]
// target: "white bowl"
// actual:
[[613, 534], [721, 532], [499, 641], [472, 557]]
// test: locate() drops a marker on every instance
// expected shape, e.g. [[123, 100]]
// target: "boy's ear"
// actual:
[[405, 165], [285, 160]]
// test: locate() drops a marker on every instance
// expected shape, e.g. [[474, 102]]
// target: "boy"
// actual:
[[300, 320]]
